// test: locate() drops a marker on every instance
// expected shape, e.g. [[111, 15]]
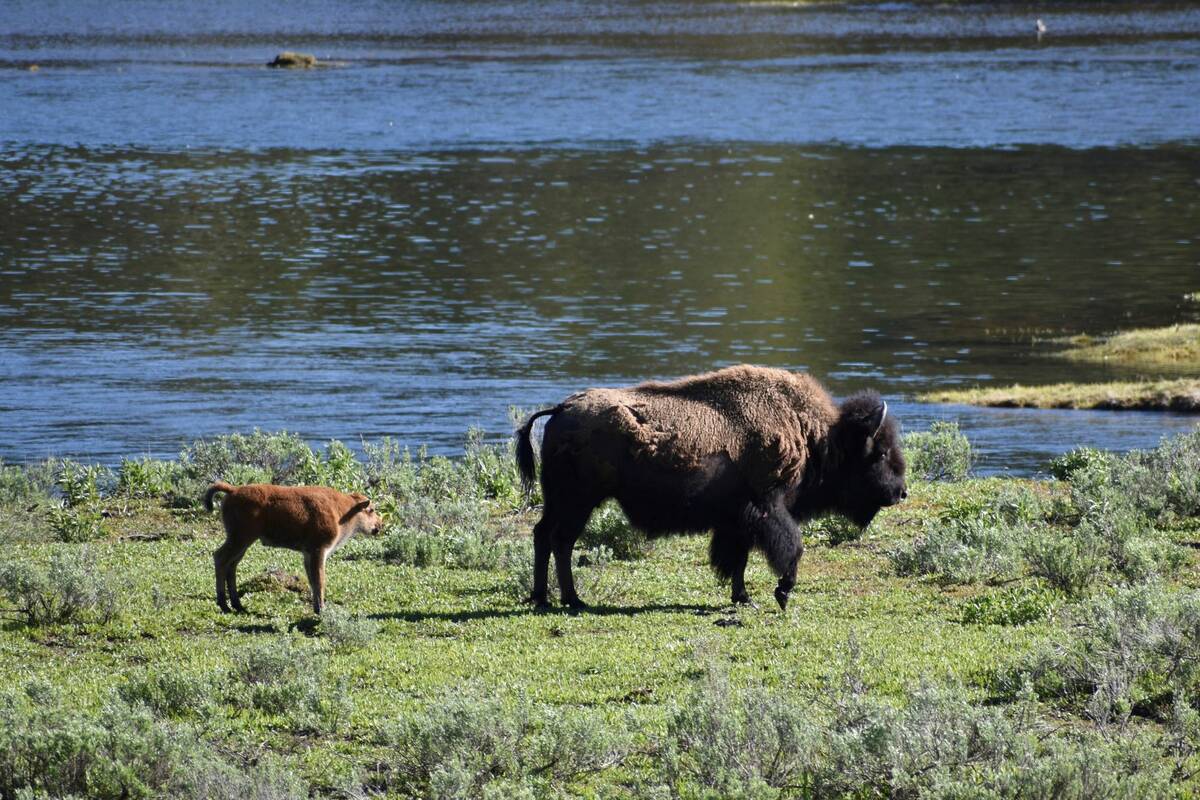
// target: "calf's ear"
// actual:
[[360, 505]]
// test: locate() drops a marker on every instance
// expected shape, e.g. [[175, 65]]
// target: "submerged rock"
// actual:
[[291, 60]]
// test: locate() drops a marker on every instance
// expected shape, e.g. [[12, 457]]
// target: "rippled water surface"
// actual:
[[485, 204]]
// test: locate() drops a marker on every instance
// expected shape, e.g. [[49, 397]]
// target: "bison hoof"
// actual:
[[575, 604], [537, 602], [781, 597], [745, 600]]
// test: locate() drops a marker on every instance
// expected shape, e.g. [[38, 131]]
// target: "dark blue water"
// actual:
[[482, 204]]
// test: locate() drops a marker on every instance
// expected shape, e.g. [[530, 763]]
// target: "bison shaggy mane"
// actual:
[[747, 452]]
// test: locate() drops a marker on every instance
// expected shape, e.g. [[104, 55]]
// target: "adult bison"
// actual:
[[748, 452]]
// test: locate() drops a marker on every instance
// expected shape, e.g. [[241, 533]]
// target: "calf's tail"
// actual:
[[525, 447], [219, 486]]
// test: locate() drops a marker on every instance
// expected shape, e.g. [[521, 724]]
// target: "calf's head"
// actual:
[[870, 465], [363, 515]]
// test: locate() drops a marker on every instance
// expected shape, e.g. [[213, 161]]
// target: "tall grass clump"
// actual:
[[942, 453], [148, 478], [71, 588], [472, 744]]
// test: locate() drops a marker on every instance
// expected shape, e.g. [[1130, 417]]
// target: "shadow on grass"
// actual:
[[530, 611]]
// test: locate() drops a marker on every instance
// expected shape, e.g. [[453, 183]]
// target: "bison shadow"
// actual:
[[698, 609]]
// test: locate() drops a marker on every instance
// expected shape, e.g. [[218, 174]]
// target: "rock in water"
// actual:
[[290, 60]]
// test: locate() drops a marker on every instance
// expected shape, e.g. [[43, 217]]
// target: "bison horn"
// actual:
[[882, 417]]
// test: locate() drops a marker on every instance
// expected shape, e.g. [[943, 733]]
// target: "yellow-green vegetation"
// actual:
[[1173, 348], [988, 638], [1181, 395]]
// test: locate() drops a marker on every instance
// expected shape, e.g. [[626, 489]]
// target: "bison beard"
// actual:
[[746, 452]]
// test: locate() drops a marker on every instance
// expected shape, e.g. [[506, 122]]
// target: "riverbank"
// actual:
[[957, 612], [1167, 395], [1173, 348]]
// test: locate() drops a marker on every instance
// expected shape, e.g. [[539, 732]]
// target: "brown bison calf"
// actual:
[[312, 519], [746, 452]]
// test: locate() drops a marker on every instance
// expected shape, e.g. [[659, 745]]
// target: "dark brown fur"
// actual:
[[312, 519], [747, 452]]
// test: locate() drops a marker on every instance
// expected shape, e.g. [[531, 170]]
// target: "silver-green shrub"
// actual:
[[942, 453], [70, 588]]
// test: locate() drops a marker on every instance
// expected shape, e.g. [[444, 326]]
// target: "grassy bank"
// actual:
[[1171, 349], [988, 638], [1182, 395]]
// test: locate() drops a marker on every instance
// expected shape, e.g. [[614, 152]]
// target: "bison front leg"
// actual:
[[779, 538], [728, 553]]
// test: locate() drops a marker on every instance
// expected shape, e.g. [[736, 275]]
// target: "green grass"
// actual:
[[1181, 395], [618, 689]]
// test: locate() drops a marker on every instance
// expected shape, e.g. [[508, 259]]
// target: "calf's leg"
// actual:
[[225, 561], [314, 565]]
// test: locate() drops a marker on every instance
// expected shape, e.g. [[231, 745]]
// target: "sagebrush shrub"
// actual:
[[609, 527], [171, 693], [346, 631], [456, 533], [942, 453], [962, 551], [473, 744], [270, 458], [1134, 647], [26, 485], [49, 747], [284, 678], [70, 588]]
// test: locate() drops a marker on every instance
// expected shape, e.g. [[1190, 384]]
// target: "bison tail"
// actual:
[[525, 448], [219, 486]]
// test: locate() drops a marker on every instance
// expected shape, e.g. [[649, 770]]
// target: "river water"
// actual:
[[478, 205]]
